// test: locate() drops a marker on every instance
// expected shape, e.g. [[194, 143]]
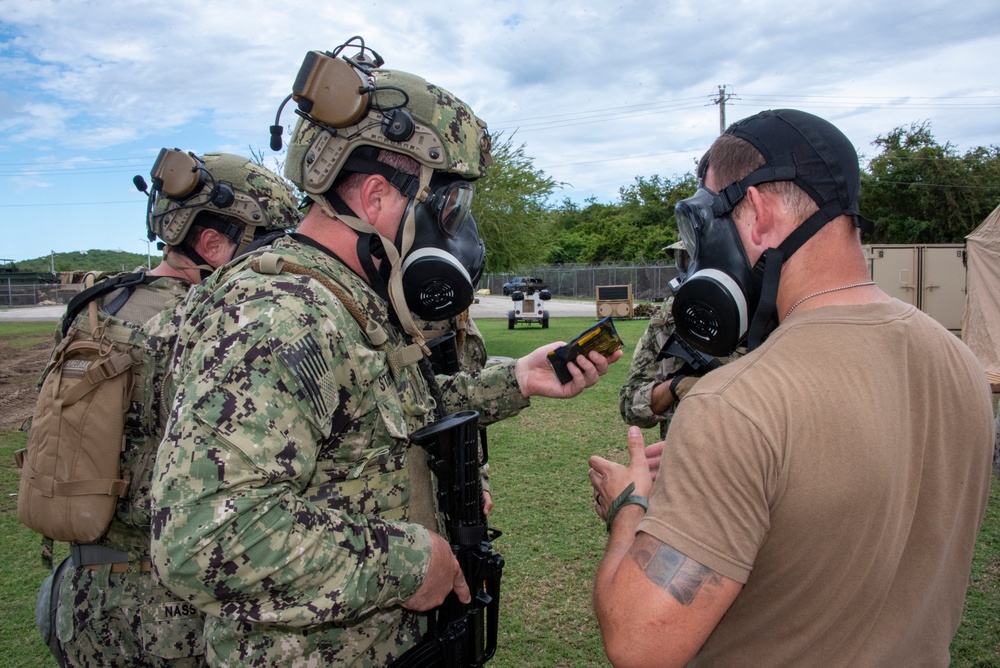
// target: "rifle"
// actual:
[[696, 363], [461, 634]]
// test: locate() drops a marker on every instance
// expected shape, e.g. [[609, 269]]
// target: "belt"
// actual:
[[95, 556]]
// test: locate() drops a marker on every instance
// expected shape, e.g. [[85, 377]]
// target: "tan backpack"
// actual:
[[71, 476]]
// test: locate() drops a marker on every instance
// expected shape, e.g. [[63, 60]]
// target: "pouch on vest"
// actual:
[[71, 475]]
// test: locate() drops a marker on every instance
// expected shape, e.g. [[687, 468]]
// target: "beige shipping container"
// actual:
[[931, 277]]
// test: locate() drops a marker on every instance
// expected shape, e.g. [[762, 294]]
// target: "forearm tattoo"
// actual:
[[669, 569]]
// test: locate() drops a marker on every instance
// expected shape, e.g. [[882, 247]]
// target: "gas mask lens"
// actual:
[[451, 205]]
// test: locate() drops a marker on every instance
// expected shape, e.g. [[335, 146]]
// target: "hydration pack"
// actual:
[[71, 472]]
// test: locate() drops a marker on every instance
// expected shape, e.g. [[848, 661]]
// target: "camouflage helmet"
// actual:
[[251, 198], [346, 104]]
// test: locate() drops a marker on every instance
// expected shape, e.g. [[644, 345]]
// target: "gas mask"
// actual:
[[722, 300], [444, 262], [718, 293]]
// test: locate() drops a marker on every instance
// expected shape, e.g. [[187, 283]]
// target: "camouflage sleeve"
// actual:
[[262, 385], [644, 373], [493, 391], [472, 354]]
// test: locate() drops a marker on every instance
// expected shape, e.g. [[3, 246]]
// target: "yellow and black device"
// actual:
[[602, 337]]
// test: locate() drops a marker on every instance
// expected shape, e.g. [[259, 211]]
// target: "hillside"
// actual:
[[91, 260]]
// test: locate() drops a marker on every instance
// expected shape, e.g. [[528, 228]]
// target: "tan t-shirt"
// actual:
[[841, 471]]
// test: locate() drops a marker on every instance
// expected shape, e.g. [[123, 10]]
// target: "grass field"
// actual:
[[551, 542]]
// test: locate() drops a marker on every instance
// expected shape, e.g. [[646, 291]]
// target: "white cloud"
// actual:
[[600, 92]]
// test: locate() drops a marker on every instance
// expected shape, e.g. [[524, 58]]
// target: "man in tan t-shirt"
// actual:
[[817, 501]]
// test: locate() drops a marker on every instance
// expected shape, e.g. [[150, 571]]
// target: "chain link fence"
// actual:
[[649, 282], [36, 294]]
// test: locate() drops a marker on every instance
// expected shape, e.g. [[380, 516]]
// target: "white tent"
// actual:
[[981, 322]]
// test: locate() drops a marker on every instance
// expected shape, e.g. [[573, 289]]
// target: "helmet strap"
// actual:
[[204, 268], [392, 257], [764, 320]]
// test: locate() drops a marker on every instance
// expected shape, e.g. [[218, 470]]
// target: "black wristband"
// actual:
[[673, 386], [626, 498]]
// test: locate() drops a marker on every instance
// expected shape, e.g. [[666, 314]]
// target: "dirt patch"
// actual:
[[20, 368]]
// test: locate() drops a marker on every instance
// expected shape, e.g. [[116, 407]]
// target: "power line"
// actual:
[[630, 107], [41, 204], [628, 157], [564, 120]]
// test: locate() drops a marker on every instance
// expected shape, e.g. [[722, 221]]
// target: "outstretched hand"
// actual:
[[536, 377], [610, 479]]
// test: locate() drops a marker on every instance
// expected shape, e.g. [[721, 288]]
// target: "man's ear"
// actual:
[[215, 247], [372, 193], [761, 216], [376, 196]]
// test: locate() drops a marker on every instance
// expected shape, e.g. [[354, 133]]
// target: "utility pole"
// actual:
[[52, 262], [149, 257], [721, 101]]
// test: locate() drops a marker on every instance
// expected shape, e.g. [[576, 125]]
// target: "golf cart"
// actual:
[[528, 307]]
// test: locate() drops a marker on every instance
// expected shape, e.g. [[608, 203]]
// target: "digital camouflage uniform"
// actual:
[[645, 372], [282, 493], [111, 618], [471, 351]]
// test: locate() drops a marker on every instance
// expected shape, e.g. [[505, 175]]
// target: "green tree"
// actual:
[[90, 260], [920, 191], [510, 208], [633, 229]]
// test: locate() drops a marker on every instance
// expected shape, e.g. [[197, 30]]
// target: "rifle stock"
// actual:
[[696, 363], [461, 634]]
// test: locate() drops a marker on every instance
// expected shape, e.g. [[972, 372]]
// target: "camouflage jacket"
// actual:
[[646, 372], [282, 491], [148, 321]]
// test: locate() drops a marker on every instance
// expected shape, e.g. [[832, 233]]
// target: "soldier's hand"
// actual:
[[537, 379], [654, 453], [444, 575]]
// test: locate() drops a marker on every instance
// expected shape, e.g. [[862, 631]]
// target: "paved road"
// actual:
[[497, 307], [488, 307], [33, 314]]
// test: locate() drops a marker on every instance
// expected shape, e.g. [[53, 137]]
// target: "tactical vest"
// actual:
[[386, 482]]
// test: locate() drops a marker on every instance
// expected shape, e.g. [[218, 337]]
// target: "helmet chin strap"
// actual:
[[204, 269], [393, 255]]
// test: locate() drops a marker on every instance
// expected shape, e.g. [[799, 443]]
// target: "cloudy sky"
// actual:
[[600, 92]]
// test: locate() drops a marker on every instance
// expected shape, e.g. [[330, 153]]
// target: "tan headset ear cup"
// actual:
[[177, 173], [322, 93]]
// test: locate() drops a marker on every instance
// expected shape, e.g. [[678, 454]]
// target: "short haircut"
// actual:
[[733, 158], [349, 181], [702, 167]]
